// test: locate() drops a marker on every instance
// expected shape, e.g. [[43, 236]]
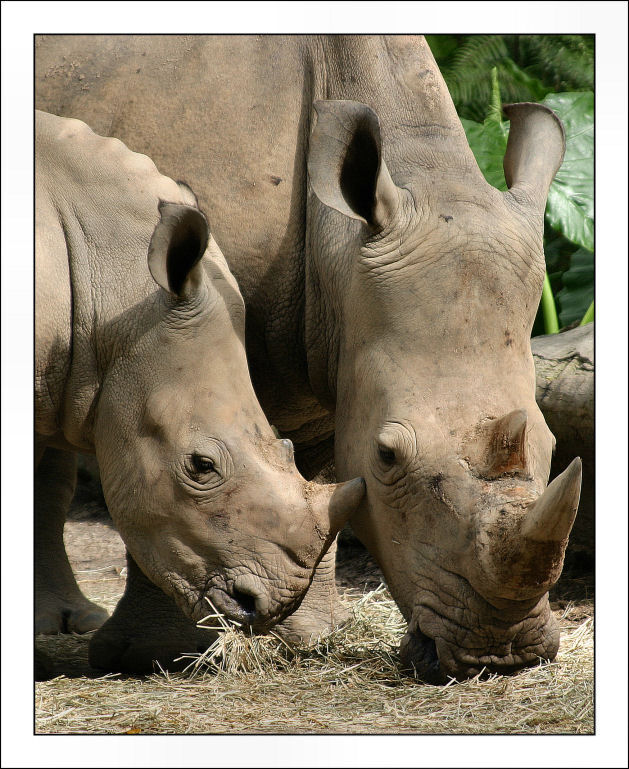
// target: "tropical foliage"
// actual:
[[529, 67], [556, 70]]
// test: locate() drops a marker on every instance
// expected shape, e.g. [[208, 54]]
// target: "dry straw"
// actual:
[[347, 682]]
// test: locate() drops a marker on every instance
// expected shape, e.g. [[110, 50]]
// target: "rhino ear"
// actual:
[[345, 163], [535, 150], [178, 243]]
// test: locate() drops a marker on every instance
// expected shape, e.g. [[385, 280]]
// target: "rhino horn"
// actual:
[[337, 502], [507, 445], [550, 517]]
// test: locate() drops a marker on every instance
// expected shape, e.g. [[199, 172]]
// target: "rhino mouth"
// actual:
[[243, 609], [438, 659], [237, 607], [420, 656]]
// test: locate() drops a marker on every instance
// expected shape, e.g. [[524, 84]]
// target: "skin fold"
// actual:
[[390, 297]]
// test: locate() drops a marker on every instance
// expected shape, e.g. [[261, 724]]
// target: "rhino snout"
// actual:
[[444, 642], [248, 603]]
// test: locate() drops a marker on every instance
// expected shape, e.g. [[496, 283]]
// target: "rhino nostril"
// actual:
[[249, 592], [418, 653], [246, 601]]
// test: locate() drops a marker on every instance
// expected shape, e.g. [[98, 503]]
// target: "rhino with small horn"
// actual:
[[390, 292], [139, 357]]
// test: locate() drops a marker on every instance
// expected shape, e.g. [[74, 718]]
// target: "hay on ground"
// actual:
[[347, 682]]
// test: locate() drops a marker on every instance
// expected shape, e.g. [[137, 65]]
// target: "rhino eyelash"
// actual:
[[387, 456], [200, 465]]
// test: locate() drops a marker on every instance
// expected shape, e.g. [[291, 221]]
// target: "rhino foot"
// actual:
[[44, 668], [60, 606], [54, 614], [321, 611]]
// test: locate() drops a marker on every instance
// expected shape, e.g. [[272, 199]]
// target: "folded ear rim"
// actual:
[[177, 245], [343, 128], [535, 149]]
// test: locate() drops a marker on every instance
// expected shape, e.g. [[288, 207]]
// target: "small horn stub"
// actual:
[[507, 445], [344, 500], [550, 517]]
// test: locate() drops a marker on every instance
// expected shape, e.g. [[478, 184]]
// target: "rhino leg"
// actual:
[[146, 627], [60, 607], [44, 667], [321, 610]]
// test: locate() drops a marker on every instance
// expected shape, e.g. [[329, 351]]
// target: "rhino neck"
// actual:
[[85, 371]]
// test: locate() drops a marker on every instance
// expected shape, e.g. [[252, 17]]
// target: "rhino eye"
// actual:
[[207, 468], [201, 465], [387, 455]]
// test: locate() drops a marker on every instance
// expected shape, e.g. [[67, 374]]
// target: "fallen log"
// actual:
[[564, 367]]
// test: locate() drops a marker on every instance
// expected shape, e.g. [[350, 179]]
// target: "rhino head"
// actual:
[[207, 499], [448, 272]]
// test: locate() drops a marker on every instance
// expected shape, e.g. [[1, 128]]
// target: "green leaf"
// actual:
[[488, 142], [551, 324], [578, 287], [442, 46], [570, 208], [495, 107], [535, 87], [589, 316], [558, 252]]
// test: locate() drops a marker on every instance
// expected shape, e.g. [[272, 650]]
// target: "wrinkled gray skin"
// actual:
[[390, 294], [140, 357]]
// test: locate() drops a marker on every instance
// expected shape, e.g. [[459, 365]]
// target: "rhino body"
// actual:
[[390, 296], [140, 358]]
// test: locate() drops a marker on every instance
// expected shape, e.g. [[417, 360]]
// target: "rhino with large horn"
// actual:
[[391, 293]]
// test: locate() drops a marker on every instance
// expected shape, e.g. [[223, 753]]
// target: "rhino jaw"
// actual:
[[512, 639]]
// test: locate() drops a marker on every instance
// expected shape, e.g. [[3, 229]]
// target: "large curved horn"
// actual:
[[520, 557], [550, 517]]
